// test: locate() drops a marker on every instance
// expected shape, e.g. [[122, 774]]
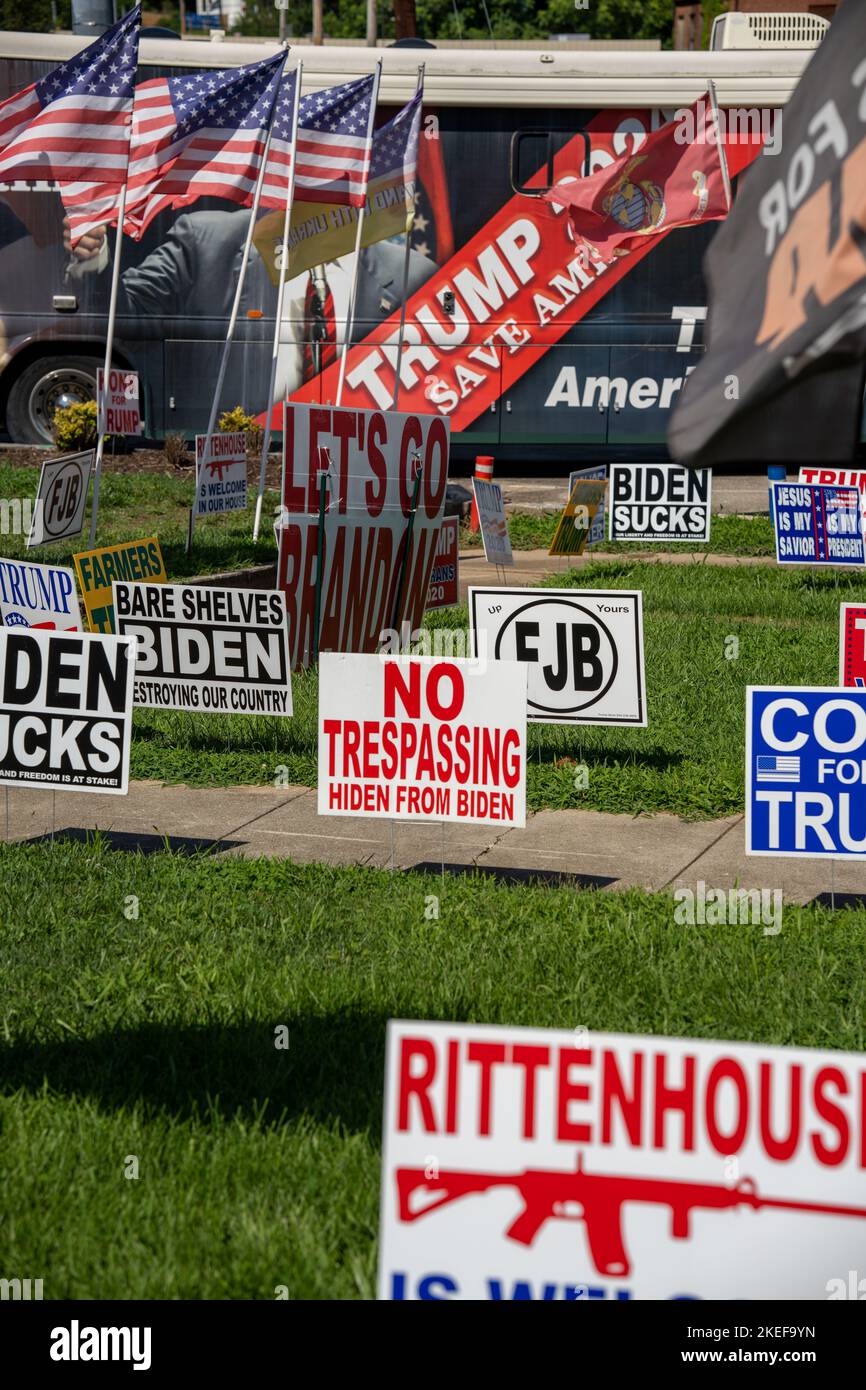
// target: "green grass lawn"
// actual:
[[133, 505], [729, 535], [689, 760], [154, 1038]]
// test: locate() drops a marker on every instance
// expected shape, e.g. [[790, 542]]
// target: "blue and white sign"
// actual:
[[817, 525], [806, 772], [598, 473]]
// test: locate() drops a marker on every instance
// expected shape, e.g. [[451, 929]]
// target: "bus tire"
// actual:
[[46, 385]]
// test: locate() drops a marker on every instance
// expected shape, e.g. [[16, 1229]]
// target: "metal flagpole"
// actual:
[[109, 343], [410, 218], [278, 322], [230, 333], [362, 212]]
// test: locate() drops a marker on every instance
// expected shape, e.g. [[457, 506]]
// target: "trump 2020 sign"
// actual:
[[805, 768], [531, 1163]]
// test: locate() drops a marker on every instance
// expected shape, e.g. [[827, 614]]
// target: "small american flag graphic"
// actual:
[[199, 136], [777, 769], [72, 127], [333, 151]]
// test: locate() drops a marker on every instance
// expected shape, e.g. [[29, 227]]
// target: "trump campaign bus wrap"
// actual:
[[373, 493], [571, 356]]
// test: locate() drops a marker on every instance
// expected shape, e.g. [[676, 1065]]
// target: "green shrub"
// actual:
[[237, 421], [74, 427]]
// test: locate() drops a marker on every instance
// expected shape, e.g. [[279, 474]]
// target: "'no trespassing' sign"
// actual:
[[201, 648]]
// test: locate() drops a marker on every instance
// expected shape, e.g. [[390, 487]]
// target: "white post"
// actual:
[[350, 316], [410, 218], [230, 333], [278, 322], [112, 310]]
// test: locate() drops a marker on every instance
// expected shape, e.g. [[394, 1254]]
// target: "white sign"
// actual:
[[201, 648], [584, 650], [61, 499], [375, 458], [65, 710], [529, 1163], [118, 410], [494, 526], [422, 738], [38, 596], [221, 473], [659, 502]]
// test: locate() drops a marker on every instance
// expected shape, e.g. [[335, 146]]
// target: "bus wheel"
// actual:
[[45, 386]]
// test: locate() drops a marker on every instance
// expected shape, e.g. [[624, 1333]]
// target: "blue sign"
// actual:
[[806, 772], [817, 525], [595, 474]]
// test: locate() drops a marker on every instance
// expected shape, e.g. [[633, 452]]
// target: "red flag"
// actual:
[[679, 177]]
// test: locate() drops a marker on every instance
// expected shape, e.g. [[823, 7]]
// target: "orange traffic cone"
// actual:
[[484, 472]]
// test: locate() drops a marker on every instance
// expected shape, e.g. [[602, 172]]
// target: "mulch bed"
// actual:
[[135, 461]]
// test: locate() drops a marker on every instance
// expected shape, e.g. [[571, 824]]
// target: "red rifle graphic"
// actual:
[[595, 1198]]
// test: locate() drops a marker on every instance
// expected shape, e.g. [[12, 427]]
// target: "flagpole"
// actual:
[[109, 343], [230, 333], [284, 265], [410, 220], [362, 211], [723, 158]]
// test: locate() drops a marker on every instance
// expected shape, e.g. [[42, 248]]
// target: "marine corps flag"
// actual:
[[678, 176], [783, 375]]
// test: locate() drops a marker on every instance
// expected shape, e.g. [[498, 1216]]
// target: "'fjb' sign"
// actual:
[[584, 650]]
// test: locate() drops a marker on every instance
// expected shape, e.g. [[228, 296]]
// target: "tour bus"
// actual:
[[586, 375]]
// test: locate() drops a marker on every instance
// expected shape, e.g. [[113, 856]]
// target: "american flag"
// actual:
[[73, 125], [333, 149], [395, 148], [199, 136]]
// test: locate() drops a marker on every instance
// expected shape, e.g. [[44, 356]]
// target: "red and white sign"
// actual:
[[118, 410], [519, 285], [221, 473], [852, 644], [444, 578], [374, 457], [838, 477], [422, 738], [531, 1163]]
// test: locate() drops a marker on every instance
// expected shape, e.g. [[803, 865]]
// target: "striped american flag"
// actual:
[[200, 136], [333, 149], [73, 125]]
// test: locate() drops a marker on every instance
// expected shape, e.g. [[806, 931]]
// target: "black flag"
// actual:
[[782, 379]]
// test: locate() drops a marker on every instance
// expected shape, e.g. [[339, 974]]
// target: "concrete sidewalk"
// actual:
[[591, 848], [531, 566]]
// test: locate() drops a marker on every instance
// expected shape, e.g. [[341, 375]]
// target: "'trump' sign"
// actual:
[[374, 457], [805, 771], [419, 738], [527, 1163], [118, 410]]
